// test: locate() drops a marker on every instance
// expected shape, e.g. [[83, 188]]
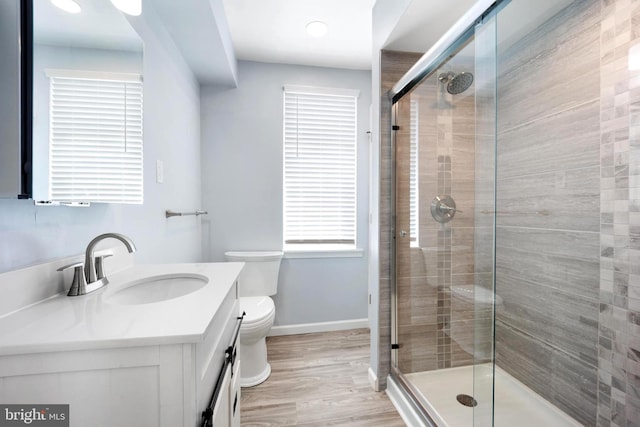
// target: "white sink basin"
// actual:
[[157, 288]]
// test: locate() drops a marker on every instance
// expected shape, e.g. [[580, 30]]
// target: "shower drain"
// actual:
[[467, 400]]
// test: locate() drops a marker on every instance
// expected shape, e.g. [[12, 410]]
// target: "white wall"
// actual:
[[30, 235], [242, 188]]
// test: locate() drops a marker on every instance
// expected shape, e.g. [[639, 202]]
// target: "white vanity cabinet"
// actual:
[[226, 412], [223, 376], [202, 366], [234, 393], [166, 384]]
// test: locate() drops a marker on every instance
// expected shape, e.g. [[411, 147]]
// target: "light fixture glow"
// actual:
[[130, 7], [316, 28], [69, 6]]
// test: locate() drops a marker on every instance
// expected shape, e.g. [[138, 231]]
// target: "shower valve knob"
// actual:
[[443, 208], [403, 233]]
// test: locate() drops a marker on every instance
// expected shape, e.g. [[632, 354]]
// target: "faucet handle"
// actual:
[[74, 265], [79, 282], [99, 262]]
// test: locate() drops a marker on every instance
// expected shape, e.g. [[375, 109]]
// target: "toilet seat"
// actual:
[[259, 310]]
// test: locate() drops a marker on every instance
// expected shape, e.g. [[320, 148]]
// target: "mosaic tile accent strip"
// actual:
[[619, 321], [444, 318]]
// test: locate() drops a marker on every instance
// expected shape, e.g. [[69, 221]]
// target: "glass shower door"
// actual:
[[444, 135], [485, 160]]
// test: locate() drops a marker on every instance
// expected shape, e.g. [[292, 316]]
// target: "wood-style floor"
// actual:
[[318, 380]]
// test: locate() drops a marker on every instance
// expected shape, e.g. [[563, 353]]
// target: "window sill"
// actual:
[[322, 251]]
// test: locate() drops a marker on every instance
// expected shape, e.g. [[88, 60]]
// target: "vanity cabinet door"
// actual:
[[234, 396], [221, 410]]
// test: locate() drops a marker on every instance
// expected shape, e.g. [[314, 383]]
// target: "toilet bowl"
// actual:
[[257, 281], [471, 325], [258, 320]]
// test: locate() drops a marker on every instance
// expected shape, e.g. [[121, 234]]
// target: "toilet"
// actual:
[[473, 331], [258, 280]]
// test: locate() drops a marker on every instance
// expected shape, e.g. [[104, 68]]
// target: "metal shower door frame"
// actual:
[[441, 51]]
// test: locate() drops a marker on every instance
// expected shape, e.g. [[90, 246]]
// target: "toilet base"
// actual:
[[257, 379], [254, 369]]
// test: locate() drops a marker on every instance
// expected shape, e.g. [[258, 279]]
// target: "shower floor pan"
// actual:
[[515, 403]]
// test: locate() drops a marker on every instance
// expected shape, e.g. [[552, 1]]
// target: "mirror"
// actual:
[[15, 86], [87, 105]]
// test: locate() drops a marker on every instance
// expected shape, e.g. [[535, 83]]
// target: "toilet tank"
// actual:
[[259, 277]]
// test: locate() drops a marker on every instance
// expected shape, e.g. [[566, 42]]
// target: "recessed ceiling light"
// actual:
[[130, 7], [67, 5], [316, 28]]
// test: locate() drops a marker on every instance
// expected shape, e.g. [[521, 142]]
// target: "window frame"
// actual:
[[322, 249]]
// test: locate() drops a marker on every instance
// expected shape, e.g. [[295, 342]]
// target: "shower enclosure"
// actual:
[[516, 218], [444, 137]]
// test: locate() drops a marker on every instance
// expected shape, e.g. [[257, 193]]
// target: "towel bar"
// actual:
[[169, 213]]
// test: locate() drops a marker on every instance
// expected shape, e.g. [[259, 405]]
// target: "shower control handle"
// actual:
[[403, 233], [443, 208]]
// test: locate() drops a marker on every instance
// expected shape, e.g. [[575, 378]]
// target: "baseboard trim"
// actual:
[[373, 380], [307, 328]]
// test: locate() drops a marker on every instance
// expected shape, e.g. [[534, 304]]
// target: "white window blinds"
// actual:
[[95, 137], [319, 165], [413, 173]]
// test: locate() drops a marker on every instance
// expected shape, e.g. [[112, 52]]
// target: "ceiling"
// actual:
[[99, 25], [274, 31], [257, 30]]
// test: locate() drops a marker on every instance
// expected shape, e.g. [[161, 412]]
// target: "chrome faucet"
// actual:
[[90, 273], [90, 276]]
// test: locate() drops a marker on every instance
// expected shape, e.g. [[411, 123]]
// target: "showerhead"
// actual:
[[456, 83]]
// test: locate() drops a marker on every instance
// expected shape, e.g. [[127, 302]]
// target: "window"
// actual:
[[95, 144], [319, 166]]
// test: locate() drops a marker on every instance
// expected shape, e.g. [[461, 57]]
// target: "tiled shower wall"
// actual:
[[567, 327], [547, 203], [435, 328], [619, 321], [568, 211]]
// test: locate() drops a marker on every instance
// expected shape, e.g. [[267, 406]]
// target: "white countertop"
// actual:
[[63, 323]]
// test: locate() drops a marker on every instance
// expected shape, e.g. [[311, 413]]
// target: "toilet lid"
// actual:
[[256, 308]]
